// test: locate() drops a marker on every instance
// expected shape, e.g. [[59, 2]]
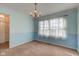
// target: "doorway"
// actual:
[[4, 31]]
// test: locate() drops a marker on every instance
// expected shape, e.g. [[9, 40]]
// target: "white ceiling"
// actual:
[[45, 8]]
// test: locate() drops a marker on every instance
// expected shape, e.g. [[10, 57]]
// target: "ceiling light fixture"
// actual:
[[35, 13]]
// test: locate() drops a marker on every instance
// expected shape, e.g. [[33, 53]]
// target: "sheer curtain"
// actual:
[[54, 27], [58, 27]]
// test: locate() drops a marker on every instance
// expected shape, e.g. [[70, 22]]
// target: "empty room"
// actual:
[[39, 29]]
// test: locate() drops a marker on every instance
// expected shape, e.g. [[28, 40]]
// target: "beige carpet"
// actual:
[[38, 49]]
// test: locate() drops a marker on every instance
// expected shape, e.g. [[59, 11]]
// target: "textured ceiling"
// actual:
[[45, 8]]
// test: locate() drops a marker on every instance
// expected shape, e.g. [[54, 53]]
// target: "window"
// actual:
[[41, 28], [46, 28], [54, 27], [58, 27]]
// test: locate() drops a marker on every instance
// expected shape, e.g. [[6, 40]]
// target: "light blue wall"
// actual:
[[21, 27], [71, 40]]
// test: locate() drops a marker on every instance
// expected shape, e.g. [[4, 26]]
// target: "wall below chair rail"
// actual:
[[71, 40], [21, 27]]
